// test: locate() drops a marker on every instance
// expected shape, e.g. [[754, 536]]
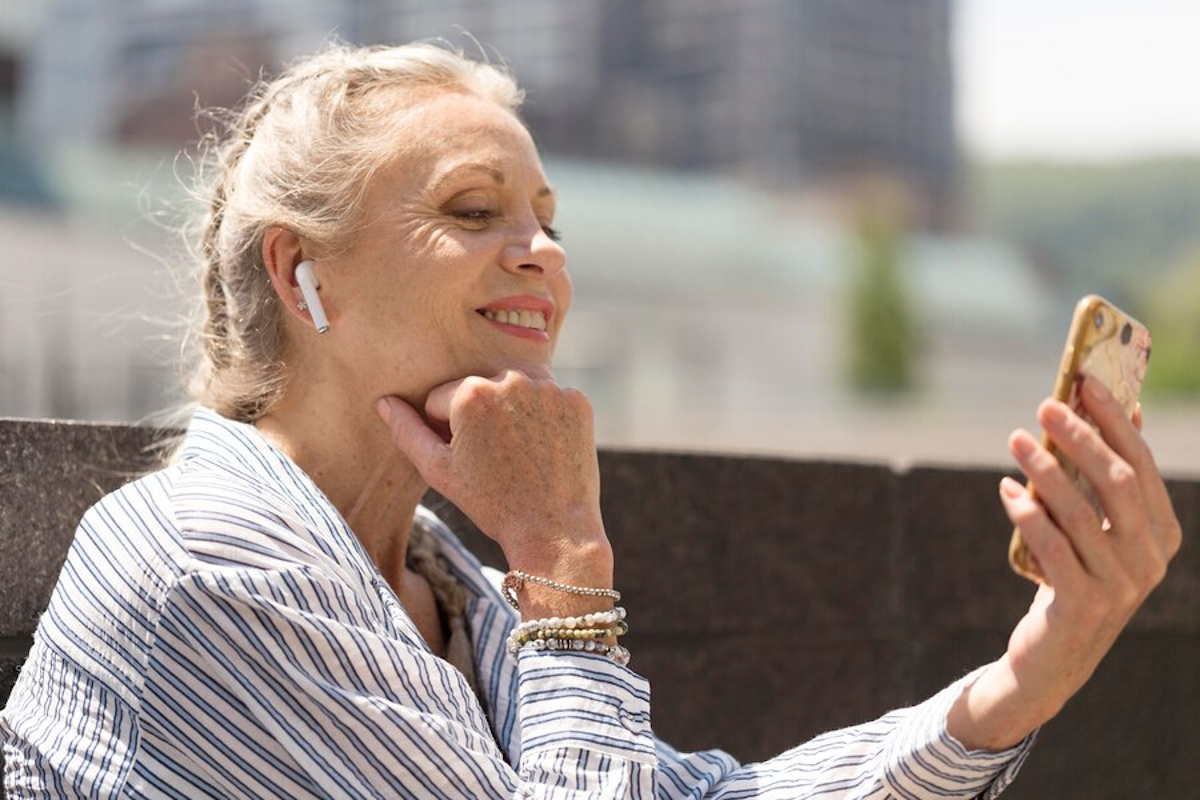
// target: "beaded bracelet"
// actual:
[[595, 619], [566, 633], [620, 629], [616, 652], [588, 630], [515, 580]]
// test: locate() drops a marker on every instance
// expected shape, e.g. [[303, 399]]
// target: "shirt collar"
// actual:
[[240, 447]]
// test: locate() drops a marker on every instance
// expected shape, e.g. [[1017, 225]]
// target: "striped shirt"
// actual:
[[218, 630]]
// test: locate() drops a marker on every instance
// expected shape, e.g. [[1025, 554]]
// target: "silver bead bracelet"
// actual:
[[515, 580]]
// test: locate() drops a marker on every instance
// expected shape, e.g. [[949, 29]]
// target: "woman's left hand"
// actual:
[[1097, 572]]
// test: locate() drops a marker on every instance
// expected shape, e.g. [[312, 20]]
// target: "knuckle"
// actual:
[[1049, 546], [473, 383], [1174, 537], [578, 401], [516, 378], [1122, 477], [547, 390], [1030, 515], [472, 390], [1079, 433], [1156, 573]]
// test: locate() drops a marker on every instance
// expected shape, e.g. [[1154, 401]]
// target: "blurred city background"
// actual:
[[848, 228]]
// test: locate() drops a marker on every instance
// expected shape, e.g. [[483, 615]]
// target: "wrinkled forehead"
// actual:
[[438, 127]]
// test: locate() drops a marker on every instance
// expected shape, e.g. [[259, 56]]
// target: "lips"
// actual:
[[524, 311]]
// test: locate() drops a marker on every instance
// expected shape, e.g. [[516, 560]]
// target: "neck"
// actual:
[[346, 450]]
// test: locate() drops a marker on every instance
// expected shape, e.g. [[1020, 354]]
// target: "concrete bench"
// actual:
[[771, 599]]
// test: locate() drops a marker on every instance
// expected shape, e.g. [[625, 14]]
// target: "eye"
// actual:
[[474, 214], [552, 233]]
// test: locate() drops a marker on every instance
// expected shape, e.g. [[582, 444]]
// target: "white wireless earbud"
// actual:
[[308, 287]]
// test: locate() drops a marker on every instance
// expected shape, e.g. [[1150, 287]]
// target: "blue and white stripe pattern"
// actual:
[[218, 630]]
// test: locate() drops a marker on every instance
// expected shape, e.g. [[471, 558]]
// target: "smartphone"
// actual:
[[1112, 347]]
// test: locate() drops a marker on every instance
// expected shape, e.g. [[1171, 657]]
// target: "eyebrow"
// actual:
[[495, 173]]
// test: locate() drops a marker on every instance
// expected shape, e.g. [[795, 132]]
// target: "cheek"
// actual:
[[563, 292]]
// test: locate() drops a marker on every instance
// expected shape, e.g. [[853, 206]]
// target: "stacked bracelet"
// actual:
[[515, 580], [584, 633]]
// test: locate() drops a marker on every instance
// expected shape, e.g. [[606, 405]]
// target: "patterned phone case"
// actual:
[[1113, 347]]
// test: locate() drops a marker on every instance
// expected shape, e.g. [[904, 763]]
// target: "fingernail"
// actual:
[[384, 409], [1010, 488]]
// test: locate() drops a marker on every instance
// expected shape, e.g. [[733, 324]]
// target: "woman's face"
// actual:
[[457, 271]]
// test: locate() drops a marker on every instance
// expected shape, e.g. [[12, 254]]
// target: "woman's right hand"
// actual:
[[521, 463]]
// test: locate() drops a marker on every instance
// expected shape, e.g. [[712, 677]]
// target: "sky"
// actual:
[[1084, 80]]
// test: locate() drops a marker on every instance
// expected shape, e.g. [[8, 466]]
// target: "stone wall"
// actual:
[[770, 599]]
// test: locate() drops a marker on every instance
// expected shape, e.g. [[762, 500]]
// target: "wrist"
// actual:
[[583, 564], [580, 555], [994, 712]]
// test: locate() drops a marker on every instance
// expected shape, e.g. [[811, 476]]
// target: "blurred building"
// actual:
[[709, 313], [135, 70], [789, 93]]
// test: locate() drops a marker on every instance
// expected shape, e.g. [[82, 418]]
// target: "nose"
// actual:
[[531, 252]]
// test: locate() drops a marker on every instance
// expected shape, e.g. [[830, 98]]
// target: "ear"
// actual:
[[282, 250]]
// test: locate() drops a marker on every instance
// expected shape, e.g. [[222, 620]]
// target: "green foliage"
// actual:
[[1095, 228], [883, 339], [1173, 316], [1128, 231]]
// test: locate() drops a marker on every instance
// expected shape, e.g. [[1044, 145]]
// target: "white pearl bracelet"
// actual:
[[592, 620]]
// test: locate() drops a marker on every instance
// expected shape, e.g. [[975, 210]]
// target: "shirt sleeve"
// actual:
[[906, 754], [279, 683]]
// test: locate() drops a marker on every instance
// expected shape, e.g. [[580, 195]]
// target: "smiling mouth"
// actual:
[[522, 318]]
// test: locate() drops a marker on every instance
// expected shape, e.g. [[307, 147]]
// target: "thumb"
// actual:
[[415, 439]]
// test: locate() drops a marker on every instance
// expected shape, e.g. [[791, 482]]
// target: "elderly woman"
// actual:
[[275, 615]]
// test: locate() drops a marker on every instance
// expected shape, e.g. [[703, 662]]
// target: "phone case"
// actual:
[[1113, 347]]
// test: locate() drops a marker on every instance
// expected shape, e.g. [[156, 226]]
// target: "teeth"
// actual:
[[524, 319]]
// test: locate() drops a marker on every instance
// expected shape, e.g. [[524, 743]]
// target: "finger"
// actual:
[[535, 370], [438, 401], [1055, 555], [1115, 425], [1168, 533], [1123, 436], [416, 440], [1114, 479], [1142, 535], [1070, 511]]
